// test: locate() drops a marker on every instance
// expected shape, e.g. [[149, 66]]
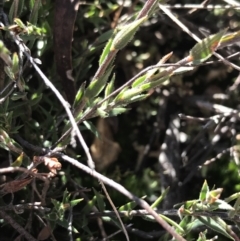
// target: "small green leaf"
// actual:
[[5, 54], [191, 224], [159, 200], [97, 85], [34, 13], [102, 113], [108, 90], [15, 64], [183, 224], [105, 52], [127, 95], [120, 93], [16, 9], [5, 105], [79, 94], [75, 202], [8, 119], [100, 202], [63, 222], [214, 195], [139, 81], [125, 35], [36, 100], [106, 218], [19, 23], [20, 84], [204, 49], [229, 39], [87, 209], [18, 95], [202, 236], [187, 204], [153, 84], [117, 111], [204, 192], [13, 11], [212, 224], [170, 221], [92, 102], [232, 197], [7, 143], [128, 206], [18, 161], [110, 87], [31, 4], [138, 98], [89, 125], [220, 204], [233, 212], [103, 38], [66, 196]]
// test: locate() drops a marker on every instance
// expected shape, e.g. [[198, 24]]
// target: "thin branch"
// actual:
[[7, 95], [115, 210], [10, 84], [24, 170], [214, 118], [115, 233], [48, 83], [200, 6], [16, 226], [125, 192], [16, 169], [19, 208], [232, 2], [194, 36], [171, 212], [219, 155], [217, 108], [148, 5], [30, 146]]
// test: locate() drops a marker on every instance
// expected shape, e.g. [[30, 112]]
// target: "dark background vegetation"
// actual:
[[149, 131]]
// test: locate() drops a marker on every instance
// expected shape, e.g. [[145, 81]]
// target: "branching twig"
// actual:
[[125, 192], [171, 67], [16, 226], [172, 212], [59, 96], [194, 36], [24, 170]]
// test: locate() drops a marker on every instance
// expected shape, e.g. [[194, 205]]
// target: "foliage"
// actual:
[[63, 90]]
